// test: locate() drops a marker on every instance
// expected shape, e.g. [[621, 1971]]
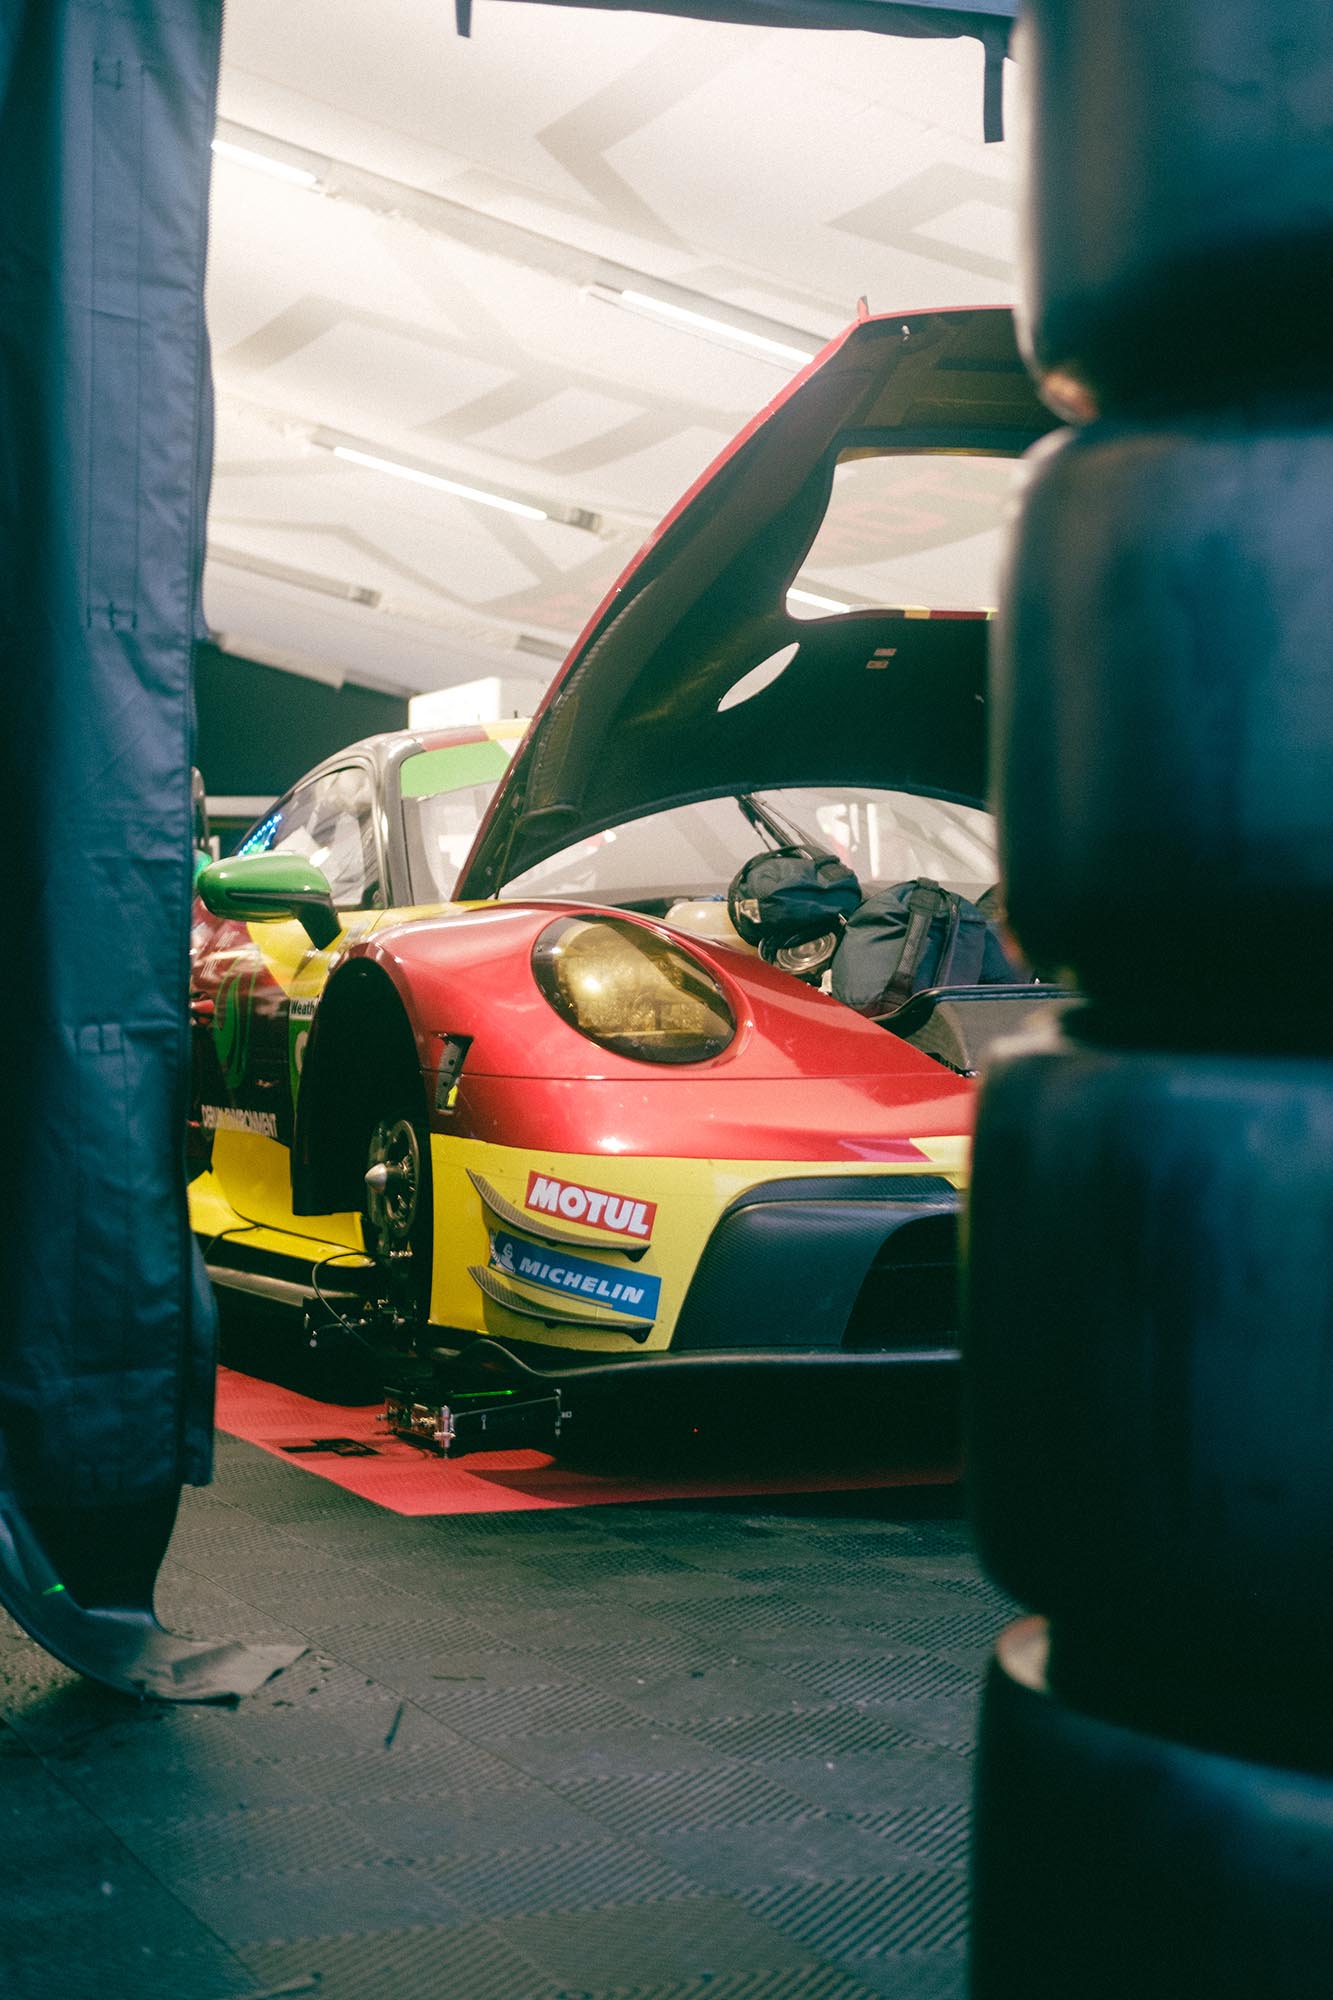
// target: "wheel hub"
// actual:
[[393, 1181]]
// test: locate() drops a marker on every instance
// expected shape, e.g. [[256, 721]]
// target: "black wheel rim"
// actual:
[[393, 1183]]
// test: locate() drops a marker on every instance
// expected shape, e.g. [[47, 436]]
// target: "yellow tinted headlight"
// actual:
[[632, 991]]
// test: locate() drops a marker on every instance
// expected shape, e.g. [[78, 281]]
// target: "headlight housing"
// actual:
[[632, 991]]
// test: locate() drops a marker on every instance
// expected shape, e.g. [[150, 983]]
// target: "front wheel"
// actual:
[[397, 1212]]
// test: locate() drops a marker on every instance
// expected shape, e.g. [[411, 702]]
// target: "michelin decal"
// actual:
[[632, 1293]]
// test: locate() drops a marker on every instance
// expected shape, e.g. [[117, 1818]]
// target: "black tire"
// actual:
[[1108, 1861], [1180, 205], [398, 1210], [1162, 720], [1148, 1308]]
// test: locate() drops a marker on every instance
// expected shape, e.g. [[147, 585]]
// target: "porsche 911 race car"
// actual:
[[483, 1063]]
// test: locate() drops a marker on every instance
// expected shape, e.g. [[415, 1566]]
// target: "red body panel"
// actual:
[[692, 1119], [805, 1078], [471, 974]]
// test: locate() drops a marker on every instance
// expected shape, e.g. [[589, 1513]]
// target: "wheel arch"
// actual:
[[362, 1044]]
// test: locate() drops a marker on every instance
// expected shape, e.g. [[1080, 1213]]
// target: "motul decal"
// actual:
[[616, 1215]]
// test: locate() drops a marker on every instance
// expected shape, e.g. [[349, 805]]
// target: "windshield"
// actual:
[[694, 850]]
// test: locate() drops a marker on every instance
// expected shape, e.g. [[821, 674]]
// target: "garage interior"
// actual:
[[693, 1705], [670, 1742]]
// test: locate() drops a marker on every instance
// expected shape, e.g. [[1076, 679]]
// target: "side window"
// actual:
[[445, 793], [331, 821]]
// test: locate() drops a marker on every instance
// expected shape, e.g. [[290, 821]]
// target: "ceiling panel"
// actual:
[[436, 295]]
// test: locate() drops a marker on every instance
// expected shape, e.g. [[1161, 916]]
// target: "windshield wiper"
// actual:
[[784, 833]]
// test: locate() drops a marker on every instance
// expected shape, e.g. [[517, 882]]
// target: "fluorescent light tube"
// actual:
[[390, 465], [819, 603], [264, 163], [703, 323], [304, 579]]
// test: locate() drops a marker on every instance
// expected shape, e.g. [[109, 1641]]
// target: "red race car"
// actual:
[[498, 1058]]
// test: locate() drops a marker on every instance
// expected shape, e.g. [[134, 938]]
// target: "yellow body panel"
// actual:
[[690, 1196], [303, 1238]]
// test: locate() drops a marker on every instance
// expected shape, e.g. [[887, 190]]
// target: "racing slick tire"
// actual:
[[1107, 1860], [1148, 1321], [1162, 724], [1180, 199]]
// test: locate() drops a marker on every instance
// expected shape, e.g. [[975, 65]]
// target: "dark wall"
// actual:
[[260, 728]]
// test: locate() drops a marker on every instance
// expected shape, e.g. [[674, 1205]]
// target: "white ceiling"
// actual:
[[428, 301]]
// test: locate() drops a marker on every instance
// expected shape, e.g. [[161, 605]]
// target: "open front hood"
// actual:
[[632, 723]]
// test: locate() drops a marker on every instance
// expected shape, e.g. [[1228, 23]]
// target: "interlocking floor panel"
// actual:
[[708, 1750], [601, 1462]]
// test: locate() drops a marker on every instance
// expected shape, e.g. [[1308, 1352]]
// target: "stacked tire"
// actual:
[[1149, 1278]]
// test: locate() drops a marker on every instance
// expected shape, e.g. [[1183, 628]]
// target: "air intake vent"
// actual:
[[910, 1294]]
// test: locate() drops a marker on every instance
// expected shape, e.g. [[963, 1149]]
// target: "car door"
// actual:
[[255, 987]]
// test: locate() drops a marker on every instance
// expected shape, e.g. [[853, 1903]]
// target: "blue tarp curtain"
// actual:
[[106, 1332], [989, 20]]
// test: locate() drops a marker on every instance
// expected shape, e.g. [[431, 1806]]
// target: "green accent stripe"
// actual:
[[453, 768]]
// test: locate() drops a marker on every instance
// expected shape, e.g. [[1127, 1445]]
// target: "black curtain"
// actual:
[[106, 1330], [260, 729]]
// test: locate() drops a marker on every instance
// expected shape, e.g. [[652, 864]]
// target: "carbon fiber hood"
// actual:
[[637, 719]]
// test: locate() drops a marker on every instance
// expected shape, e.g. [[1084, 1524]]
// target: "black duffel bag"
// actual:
[[913, 936], [789, 895]]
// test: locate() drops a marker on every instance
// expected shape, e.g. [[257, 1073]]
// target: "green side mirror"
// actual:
[[255, 888]]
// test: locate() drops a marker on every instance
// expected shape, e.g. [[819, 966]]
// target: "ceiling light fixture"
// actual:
[[435, 479], [542, 649], [303, 579], [819, 603], [264, 163], [725, 331]]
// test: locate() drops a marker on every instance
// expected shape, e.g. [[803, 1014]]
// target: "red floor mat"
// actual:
[[354, 1450]]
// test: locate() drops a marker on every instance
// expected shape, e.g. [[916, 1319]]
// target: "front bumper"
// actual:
[[738, 1256]]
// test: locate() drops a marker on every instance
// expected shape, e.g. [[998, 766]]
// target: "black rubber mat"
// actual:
[[688, 1751]]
